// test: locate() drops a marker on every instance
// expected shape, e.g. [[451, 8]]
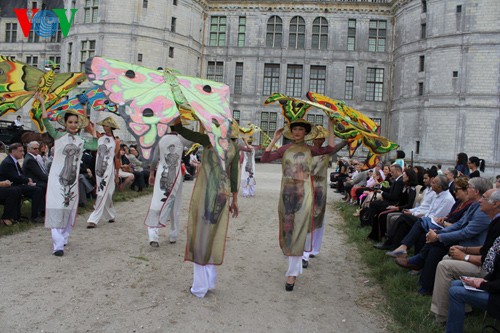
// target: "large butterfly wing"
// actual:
[[209, 101], [98, 101], [291, 108], [18, 83], [144, 91], [344, 110], [53, 86]]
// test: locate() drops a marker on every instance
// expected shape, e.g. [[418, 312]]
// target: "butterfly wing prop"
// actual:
[[19, 82], [92, 99], [291, 108], [154, 99]]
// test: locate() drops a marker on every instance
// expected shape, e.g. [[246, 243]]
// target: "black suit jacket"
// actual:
[[393, 194], [8, 171], [32, 169]]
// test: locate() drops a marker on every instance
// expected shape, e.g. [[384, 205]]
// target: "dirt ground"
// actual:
[[111, 280]]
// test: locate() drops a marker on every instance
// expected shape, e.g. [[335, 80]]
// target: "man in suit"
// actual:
[[451, 174], [11, 170], [390, 196], [32, 168], [466, 261]]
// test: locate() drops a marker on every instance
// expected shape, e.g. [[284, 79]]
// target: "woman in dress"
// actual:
[[296, 202], [215, 196], [106, 171], [62, 189]]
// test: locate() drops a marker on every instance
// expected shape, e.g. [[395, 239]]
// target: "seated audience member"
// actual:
[[194, 162], [470, 230], [467, 261], [141, 175], [497, 182], [420, 174], [488, 300], [451, 174], [18, 123], [125, 173], [32, 168], [375, 178], [43, 155], [410, 216], [10, 198], [359, 180], [86, 179], [405, 202], [439, 171], [416, 236], [390, 196], [10, 169], [474, 164]]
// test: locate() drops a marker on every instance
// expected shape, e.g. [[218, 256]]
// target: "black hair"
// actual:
[[420, 174], [480, 163], [412, 177], [307, 126], [431, 173], [67, 115], [461, 160], [400, 154]]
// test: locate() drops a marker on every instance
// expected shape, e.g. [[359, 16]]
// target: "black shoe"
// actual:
[[305, 263], [289, 286], [382, 246], [154, 244], [111, 221], [37, 220], [312, 256], [59, 253]]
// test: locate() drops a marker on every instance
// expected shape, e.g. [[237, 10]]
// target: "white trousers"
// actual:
[[154, 233], [60, 236], [204, 279], [317, 238], [294, 266], [105, 208]]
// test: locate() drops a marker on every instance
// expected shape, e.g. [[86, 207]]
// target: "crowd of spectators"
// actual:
[[441, 225], [24, 175]]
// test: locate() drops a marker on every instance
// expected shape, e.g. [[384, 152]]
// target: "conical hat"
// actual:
[[110, 122], [322, 132], [83, 121], [287, 133]]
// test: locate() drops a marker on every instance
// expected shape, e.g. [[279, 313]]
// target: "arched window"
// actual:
[[320, 34], [297, 34], [274, 33]]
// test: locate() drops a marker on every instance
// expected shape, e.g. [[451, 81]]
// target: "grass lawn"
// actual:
[[409, 310], [126, 195]]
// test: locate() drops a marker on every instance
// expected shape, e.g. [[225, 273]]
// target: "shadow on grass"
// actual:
[[127, 195], [409, 310]]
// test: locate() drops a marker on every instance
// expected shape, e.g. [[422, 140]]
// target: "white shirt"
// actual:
[[441, 205], [423, 209]]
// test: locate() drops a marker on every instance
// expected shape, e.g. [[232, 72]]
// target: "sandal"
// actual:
[[7, 222]]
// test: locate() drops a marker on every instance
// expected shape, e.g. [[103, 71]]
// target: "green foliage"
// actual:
[[409, 310]]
